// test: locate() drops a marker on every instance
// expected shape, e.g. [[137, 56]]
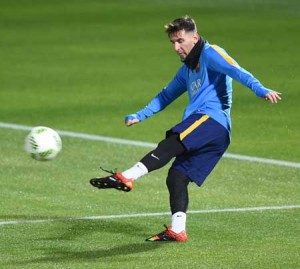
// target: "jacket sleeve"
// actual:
[[220, 61], [166, 96]]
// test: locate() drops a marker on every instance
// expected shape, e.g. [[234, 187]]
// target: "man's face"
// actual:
[[183, 42]]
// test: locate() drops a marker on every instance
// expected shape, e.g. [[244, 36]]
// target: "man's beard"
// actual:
[[192, 59]]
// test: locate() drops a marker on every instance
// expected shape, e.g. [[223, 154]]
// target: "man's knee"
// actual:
[[176, 179], [170, 146], [165, 151]]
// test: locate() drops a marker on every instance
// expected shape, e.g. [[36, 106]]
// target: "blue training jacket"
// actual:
[[209, 87]]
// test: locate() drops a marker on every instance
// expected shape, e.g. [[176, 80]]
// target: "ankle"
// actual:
[[178, 222]]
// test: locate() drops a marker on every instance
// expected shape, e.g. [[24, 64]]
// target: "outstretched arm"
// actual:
[[159, 102], [220, 61]]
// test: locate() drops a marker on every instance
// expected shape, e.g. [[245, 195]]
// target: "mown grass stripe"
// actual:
[[149, 145], [142, 215]]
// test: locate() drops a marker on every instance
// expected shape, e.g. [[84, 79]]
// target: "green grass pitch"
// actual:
[[81, 66]]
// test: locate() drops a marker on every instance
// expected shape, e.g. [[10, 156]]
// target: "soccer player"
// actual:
[[201, 138]]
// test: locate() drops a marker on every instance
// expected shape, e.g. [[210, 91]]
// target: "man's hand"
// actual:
[[273, 97], [131, 119]]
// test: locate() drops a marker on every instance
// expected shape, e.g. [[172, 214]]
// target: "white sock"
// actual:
[[178, 222], [136, 171]]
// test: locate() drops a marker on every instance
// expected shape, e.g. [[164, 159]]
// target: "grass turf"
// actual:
[[81, 66], [59, 189]]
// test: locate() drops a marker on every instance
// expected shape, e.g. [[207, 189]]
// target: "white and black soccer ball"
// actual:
[[43, 143]]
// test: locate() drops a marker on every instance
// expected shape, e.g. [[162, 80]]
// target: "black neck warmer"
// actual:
[[192, 59]]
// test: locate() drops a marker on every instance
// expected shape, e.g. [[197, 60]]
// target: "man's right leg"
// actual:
[[177, 184]]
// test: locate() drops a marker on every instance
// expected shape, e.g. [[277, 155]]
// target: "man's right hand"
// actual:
[[131, 119]]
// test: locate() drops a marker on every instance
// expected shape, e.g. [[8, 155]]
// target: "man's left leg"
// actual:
[[155, 159]]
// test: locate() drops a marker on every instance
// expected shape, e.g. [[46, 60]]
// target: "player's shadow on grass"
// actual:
[[118, 253], [98, 239], [70, 230]]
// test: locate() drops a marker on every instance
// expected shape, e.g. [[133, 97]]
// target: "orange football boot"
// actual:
[[169, 235]]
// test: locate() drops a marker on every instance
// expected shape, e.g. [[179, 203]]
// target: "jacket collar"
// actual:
[[192, 59]]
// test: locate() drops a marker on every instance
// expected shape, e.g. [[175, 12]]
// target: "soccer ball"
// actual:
[[43, 143]]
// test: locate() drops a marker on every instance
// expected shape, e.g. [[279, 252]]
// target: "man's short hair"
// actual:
[[184, 23]]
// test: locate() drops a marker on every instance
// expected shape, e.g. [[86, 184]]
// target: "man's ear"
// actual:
[[196, 38]]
